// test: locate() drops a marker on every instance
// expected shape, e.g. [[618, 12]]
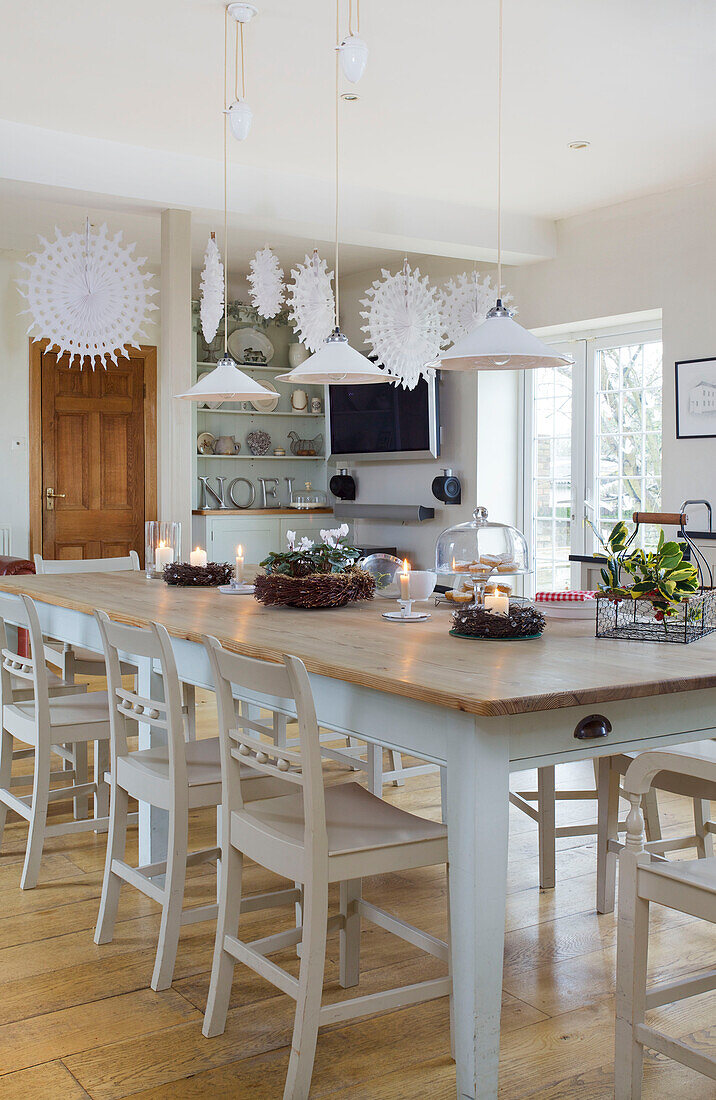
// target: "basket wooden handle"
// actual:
[[677, 519]]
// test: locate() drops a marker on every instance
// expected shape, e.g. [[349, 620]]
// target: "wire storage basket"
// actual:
[[639, 621]]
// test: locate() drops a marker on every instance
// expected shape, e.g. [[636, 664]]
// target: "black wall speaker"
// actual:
[[447, 488], [343, 486]]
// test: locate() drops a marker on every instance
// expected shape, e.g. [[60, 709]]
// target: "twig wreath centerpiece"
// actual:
[[313, 575], [198, 576], [523, 620]]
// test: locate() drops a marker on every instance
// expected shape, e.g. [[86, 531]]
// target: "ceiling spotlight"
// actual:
[[578, 144], [353, 54], [350, 97]]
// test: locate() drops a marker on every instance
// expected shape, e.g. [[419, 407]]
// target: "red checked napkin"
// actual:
[[568, 597]]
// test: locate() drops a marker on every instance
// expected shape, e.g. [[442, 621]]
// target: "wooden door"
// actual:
[[94, 451]]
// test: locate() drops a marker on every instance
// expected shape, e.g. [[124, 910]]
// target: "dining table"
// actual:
[[479, 708]]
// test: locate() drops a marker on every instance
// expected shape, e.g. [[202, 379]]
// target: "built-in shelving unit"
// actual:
[[262, 458]]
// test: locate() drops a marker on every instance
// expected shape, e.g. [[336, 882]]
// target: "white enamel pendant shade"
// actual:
[[336, 363], [225, 383], [499, 343]]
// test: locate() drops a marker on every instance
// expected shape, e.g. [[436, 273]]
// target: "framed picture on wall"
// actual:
[[696, 399]]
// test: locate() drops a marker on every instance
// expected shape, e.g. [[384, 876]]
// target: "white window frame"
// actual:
[[582, 345]]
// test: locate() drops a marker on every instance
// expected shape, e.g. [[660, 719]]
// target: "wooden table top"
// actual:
[[566, 667]]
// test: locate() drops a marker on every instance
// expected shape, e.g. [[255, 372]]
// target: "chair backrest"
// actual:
[[121, 642], [21, 611], [697, 760], [240, 736], [86, 565]]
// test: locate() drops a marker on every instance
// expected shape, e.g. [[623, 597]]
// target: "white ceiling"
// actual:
[[637, 79]]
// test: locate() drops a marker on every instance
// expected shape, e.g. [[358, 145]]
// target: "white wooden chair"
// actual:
[[76, 661], [688, 886], [177, 776], [540, 806], [46, 724], [315, 837], [699, 789]]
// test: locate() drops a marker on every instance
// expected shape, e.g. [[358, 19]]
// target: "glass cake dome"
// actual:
[[308, 498], [481, 549]]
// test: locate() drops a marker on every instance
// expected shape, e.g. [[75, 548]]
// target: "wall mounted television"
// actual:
[[383, 422]]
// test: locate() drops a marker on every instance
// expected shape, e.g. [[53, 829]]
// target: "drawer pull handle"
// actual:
[[592, 727]]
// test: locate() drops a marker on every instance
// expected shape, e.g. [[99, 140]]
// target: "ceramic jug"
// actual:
[[299, 401], [226, 445]]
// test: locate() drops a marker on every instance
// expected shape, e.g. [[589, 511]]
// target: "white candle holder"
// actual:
[[406, 608], [162, 546]]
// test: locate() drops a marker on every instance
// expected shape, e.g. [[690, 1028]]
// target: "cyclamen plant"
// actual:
[[303, 557]]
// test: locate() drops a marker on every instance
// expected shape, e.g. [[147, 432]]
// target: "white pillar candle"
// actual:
[[239, 573], [198, 557], [500, 605], [163, 555], [405, 581]]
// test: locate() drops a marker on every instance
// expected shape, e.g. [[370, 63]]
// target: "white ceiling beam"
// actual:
[[93, 170]]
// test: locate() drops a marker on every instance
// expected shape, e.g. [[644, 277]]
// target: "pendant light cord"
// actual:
[[499, 152], [337, 221], [226, 182]]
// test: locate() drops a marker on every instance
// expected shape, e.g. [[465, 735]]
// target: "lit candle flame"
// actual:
[[406, 567], [239, 551]]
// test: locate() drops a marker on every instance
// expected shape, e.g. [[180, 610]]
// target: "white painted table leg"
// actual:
[[153, 822], [478, 821]]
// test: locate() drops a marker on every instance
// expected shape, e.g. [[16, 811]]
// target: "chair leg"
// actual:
[[6, 747], [170, 926], [451, 967], [704, 839], [396, 765], [546, 827], [310, 989], [652, 821], [349, 972], [111, 883], [607, 829], [222, 971], [374, 759], [101, 767], [189, 693], [36, 834], [443, 795], [79, 764], [632, 952]]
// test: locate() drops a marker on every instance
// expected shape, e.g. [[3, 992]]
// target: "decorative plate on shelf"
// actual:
[[266, 404], [250, 347], [205, 443]]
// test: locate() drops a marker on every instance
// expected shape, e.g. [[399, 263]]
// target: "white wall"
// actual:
[[650, 253]]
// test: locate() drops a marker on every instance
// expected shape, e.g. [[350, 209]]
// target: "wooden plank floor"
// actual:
[[78, 1020]]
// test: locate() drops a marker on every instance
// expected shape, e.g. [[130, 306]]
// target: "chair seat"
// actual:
[[95, 661], [203, 768], [23, 692], [700, 873], [356, 821], [86, 715]]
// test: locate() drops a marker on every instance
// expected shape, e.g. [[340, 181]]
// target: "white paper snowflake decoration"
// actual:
[[211, 309], [87, 295], [464, 304], [403, 324], [266, 282], [310, 302]]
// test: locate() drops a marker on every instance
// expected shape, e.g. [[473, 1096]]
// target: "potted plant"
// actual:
[[661, 577], [313, 575]]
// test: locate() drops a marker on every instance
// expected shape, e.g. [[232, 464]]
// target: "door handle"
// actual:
[[51, 497], [592, 728]]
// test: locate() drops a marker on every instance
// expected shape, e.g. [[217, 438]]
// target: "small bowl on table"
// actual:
[[422, 584]]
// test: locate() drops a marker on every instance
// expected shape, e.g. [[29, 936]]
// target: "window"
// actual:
[[593, 448]]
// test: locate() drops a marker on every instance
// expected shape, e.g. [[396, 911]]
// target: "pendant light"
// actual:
[[336, 363], [226, 382], [499, 343], [352, 51], [240, 114]]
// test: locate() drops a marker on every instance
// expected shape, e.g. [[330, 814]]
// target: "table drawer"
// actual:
[[598, 729]]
